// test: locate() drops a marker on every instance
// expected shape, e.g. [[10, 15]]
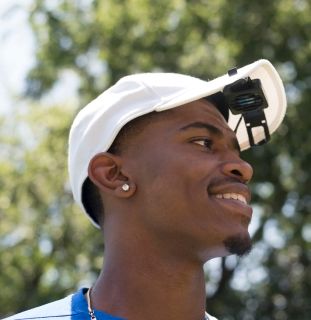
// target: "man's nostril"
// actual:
[[237, 173]]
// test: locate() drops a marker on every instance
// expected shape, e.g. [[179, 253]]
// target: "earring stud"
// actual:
[[125, 187]]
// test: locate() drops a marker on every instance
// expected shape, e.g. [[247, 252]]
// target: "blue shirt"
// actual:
[[73, 307]]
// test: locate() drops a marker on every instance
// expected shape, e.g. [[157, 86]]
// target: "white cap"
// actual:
[[97, 125]]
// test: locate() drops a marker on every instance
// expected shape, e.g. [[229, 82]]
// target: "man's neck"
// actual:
[[151, 286]]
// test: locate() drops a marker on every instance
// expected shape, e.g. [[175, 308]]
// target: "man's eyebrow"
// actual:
[[203, 125], [214, 130]]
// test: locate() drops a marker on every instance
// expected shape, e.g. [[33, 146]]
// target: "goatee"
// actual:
[[239, 244]]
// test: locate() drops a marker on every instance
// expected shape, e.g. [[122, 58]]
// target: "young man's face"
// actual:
[[191, 195]]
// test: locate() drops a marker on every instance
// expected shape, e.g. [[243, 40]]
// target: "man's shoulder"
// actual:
[[60, 309]]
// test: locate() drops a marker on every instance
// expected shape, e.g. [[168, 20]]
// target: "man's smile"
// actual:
[[231, 190], [235, 196]]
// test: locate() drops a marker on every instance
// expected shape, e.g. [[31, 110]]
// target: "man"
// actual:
[[155, 163]]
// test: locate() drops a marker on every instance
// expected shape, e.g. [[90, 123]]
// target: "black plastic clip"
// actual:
[[232, 71]]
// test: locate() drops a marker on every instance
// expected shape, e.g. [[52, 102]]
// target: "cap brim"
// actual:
[[272, 87]]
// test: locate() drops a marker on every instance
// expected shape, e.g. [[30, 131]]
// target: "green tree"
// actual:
[[48, 248], [42, 235]]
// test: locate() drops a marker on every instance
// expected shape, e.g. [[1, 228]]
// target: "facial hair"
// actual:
[[238, 244]]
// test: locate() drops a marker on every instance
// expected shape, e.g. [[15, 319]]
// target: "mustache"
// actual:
[[225, 180]]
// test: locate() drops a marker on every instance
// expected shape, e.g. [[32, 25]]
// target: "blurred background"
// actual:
[[56, 55]]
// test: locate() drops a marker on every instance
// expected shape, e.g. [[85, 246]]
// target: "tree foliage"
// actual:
[[48, 249]]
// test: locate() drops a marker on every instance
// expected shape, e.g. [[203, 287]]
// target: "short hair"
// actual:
[[91, 198]]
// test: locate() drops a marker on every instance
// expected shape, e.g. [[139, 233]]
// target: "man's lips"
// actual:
[[232, 195], [232, 191], [235, 196]]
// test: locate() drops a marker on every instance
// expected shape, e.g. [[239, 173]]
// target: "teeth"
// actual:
[[241, 198], [231, 195]]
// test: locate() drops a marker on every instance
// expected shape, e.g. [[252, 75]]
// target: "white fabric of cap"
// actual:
[[97, 125]]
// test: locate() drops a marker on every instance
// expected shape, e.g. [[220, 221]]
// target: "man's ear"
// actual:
[[105, 171]]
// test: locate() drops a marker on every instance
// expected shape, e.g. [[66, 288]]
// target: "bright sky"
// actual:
[[17, 56], [16, 50]]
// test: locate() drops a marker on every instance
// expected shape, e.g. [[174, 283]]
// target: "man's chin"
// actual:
[[238, 244]]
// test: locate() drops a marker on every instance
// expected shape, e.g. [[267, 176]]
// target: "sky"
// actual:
[[17, 57], [16, 51]]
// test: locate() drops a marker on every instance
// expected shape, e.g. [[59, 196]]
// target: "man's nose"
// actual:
[[238, 169]]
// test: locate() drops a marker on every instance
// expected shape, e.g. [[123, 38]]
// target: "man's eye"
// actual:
[[207, 143]]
